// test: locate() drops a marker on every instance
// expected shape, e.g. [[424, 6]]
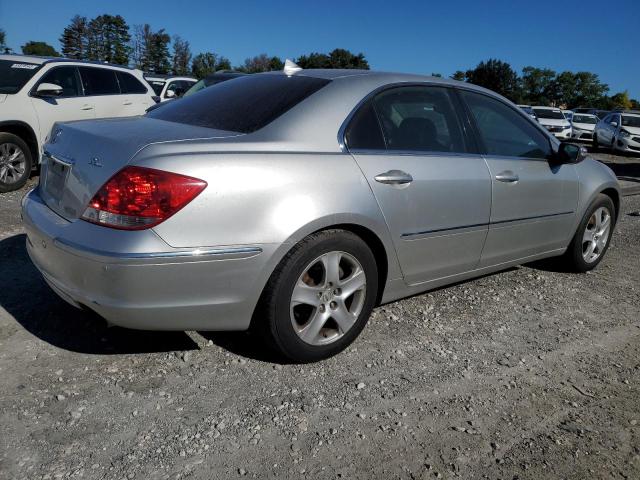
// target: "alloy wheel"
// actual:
[[328, 297], [596, 234], [12, 163]]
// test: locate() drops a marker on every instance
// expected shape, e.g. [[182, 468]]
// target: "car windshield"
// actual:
[[157, 85], [14, 75], [245, 105], [547, 113], [585, 119], [631, 121]]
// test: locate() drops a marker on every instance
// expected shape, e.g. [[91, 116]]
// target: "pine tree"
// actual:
[[74, 38], [181, 56]]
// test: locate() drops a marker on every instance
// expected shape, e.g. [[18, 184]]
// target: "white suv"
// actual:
[[167, 87], [36, 92]]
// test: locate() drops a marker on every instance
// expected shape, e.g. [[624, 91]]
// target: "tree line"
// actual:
[[108, 38]]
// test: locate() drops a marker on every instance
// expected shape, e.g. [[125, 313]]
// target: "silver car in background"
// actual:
[[294, 202]]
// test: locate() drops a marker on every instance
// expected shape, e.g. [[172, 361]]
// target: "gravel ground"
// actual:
[[529, 373]]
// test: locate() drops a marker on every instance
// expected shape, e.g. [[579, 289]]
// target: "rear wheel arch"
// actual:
[[26, 133]]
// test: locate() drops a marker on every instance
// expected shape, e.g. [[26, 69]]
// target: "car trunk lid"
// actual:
[[81, 156]]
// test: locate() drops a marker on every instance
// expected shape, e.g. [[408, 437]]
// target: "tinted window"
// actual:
[[157, 85], [505, 131], [244, 105], [14, 75], [631, 121], [363, 132], [179, 87], [99, 81], [65, 77], [129, 83], [550, 114], [419, 119]]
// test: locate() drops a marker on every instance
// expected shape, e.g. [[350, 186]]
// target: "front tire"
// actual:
[[320, 296], [592, 239], [15, 162]]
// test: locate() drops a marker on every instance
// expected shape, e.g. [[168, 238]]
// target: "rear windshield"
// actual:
[[14, 75], [585, 119], [245, 105], [544, 113]]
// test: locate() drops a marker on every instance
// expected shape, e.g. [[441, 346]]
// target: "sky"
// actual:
[[405, 36]]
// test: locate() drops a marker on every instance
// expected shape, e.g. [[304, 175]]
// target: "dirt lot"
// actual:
[[530, 373]]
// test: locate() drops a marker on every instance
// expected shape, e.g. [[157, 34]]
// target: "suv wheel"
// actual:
[[320, 296], [15, 162]]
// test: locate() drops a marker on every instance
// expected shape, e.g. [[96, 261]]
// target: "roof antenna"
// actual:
[[290, 67]]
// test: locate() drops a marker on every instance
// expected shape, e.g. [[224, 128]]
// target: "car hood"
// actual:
[[584, 126], [554, 122], [632, 130], [97, 149]]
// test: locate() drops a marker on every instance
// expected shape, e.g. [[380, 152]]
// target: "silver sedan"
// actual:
[[294, 202]]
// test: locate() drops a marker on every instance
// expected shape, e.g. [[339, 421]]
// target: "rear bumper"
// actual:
[[158, 288]]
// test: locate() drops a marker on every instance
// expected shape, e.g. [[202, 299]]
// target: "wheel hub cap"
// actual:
[[596, 235]]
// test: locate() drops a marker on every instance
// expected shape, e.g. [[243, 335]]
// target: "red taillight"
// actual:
[[136, 198]]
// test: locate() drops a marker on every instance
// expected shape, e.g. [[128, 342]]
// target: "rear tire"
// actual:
[[15, 162], [595, 145], [320, 296], [592, 239]]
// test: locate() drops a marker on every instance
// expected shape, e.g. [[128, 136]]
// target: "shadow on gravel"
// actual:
[[245, 344], [28, 299]]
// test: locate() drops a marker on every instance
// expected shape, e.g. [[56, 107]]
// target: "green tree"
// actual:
[[41, 49], [621, 100], [495, 75], [537, 86], [181, 56], [261, 63], [437, 75], [207, 63], [74, 38], [589, 91], [459, 75], [3, 45], [150, 49], [108, 39], [338, 58]]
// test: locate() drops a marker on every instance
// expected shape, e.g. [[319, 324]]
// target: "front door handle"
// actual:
[[87, 107], [394, 177], [507, 176]]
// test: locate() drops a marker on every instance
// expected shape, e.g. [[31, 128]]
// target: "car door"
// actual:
[[434, 194], [69, 106], [534, 202], [101, 86], [135, 96], [606, 131]]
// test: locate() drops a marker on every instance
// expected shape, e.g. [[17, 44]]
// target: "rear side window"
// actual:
[[244, 105], [65, 77], [99, 81], [421, 119], [504, 131], [129, 83], [363, 132]]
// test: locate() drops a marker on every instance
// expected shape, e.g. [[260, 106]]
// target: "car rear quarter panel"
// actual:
[[271, 198]]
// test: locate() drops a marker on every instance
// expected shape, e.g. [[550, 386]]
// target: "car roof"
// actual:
[[47, 60], [163, 76]]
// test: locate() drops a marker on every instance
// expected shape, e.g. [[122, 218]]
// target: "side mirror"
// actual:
[[614, 124], [570, 153], [49, 90], [170, 94]]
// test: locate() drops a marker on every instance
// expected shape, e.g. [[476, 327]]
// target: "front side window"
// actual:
[[503, 130], [418, 118], [14, 75], [129, 83], [243, 105], [65, 77], [99, 81]]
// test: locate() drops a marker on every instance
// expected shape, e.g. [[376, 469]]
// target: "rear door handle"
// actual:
[[87, 107], [394, 177], [507, 176]]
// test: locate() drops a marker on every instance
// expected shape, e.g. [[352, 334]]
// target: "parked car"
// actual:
[[167, 87], [583, 126], [554, 120], [529, 111], [618, 131], [599, 113], [294, 202], [35, 92], [568, 114]]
